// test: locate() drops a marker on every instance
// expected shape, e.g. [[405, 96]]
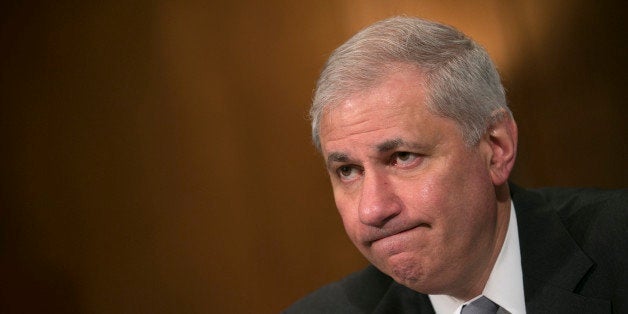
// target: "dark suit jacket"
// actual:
[[574, 245]]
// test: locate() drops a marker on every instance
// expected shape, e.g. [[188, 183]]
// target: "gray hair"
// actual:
[[461, 81]]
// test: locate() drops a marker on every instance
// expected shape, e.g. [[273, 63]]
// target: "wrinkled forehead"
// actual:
[[329, 100], [395, 77], [396, 103]]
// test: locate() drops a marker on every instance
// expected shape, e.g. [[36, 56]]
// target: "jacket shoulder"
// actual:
[[587, 212], [597, 221]]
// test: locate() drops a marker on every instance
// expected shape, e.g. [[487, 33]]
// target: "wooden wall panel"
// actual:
[[156, 154]]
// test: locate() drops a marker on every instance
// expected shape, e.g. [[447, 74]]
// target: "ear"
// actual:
[[502, 139]]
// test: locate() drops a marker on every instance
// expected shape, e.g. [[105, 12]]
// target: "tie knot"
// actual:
[[482, 305]]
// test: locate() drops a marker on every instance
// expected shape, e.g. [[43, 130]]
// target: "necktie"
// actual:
[[480, 306]]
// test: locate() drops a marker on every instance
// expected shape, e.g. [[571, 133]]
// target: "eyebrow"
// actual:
[[336, 157], [397, 143], [383, 147], [389, 145]]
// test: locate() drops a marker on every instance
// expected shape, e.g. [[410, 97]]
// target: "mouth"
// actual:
[[381, 234]]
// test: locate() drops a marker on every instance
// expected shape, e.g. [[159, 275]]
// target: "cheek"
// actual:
[[344, 205], [348, 215], [450, 199], [428, 197]]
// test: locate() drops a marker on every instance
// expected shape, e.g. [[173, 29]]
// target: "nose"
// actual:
[[378, 201]]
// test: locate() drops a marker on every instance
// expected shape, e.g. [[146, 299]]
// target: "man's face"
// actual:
[[416, 201]]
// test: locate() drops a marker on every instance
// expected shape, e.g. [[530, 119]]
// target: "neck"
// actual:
[[479, 279]]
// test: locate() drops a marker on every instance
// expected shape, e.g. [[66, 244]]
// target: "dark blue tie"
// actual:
[[480, 306]]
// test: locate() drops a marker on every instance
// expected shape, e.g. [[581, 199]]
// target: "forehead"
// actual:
[[398, 100], [393, 111]]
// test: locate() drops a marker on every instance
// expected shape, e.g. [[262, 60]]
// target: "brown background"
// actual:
[[156, 158]]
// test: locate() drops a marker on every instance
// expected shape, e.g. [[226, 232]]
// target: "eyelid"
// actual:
[[353, 167], [415, 157]]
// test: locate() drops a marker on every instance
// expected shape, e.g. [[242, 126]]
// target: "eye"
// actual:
[[404, 159], [348, 172]]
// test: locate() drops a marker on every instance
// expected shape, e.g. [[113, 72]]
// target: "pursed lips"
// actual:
[[379, 234]]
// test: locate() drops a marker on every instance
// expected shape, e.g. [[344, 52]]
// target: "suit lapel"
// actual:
[[400, 299], [372, 291], [553, 265]]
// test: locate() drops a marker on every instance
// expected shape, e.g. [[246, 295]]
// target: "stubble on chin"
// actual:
[[405, 270]]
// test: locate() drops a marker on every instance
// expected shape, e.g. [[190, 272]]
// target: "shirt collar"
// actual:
[[505, 283]]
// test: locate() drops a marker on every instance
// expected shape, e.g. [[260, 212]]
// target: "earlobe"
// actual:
[[502, 137]]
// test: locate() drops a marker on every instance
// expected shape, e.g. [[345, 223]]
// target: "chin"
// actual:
[[405, 269], [414, 274]]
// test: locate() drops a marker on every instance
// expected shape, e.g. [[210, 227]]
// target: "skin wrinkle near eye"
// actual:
[[382, 148]]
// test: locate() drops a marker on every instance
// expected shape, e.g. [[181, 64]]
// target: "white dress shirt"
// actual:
[[505, 283]]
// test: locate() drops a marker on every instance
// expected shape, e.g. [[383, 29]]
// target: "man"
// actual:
[[419, 143]]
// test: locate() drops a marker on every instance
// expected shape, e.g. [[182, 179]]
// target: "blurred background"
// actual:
[[156, 158]]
